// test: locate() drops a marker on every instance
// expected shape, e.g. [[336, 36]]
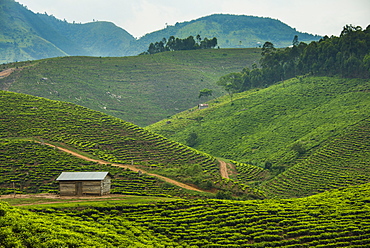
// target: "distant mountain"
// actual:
[[232, 31], [25, 35]]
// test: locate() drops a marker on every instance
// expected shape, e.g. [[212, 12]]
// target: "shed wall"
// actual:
[[67, 188], [70, 188]]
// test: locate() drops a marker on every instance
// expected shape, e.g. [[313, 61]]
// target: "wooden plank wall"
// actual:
[[67, 188], [88, 187]]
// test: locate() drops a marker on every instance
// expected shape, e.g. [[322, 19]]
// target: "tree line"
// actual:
[[347, 56], [176, 44]]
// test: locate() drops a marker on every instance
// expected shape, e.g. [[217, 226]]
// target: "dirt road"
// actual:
[[133, 168], [223, 169]]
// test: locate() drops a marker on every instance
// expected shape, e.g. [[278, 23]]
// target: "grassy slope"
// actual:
[[139, 89], [333, 219], [263, 125]]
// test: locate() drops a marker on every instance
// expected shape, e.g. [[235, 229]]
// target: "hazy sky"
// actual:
[[138, 17]]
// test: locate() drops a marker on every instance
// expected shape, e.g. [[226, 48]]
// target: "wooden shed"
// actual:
[[202, 106], [84, 183]]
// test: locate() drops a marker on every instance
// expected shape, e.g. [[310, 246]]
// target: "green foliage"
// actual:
[[192, 139], [344, 56], [336, 218], [118, 86], [205, 92]]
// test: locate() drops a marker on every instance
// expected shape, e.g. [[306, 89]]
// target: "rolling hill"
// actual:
[[340, 161], [25, 35], [139, 89], [104, 137]]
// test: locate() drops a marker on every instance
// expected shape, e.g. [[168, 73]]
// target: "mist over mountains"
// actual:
[[25, 35]]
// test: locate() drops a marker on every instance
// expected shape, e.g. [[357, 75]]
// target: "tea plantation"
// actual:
[[263, 124], [343, 160], [27, 167], [105, 137], [338, 218]]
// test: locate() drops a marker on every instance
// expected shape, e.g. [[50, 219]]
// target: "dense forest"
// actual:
[[347, 56], [177, 44]]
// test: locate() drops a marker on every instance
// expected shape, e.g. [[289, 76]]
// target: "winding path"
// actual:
[[133, 168]]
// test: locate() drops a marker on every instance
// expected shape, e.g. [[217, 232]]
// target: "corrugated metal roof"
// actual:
[[68, 176]]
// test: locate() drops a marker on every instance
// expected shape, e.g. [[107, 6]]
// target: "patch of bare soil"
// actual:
[[6, 72]]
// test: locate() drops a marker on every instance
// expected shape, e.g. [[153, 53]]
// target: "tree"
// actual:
[[295, 40], [267, 48], [232, 83], [205, 92], [199, 39]]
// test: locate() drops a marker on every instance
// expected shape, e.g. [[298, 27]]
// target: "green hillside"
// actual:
[[139, 89], [337, 218], [107, 138], [264, 124]]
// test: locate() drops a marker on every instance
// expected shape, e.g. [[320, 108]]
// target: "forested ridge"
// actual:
[[347, 56]]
